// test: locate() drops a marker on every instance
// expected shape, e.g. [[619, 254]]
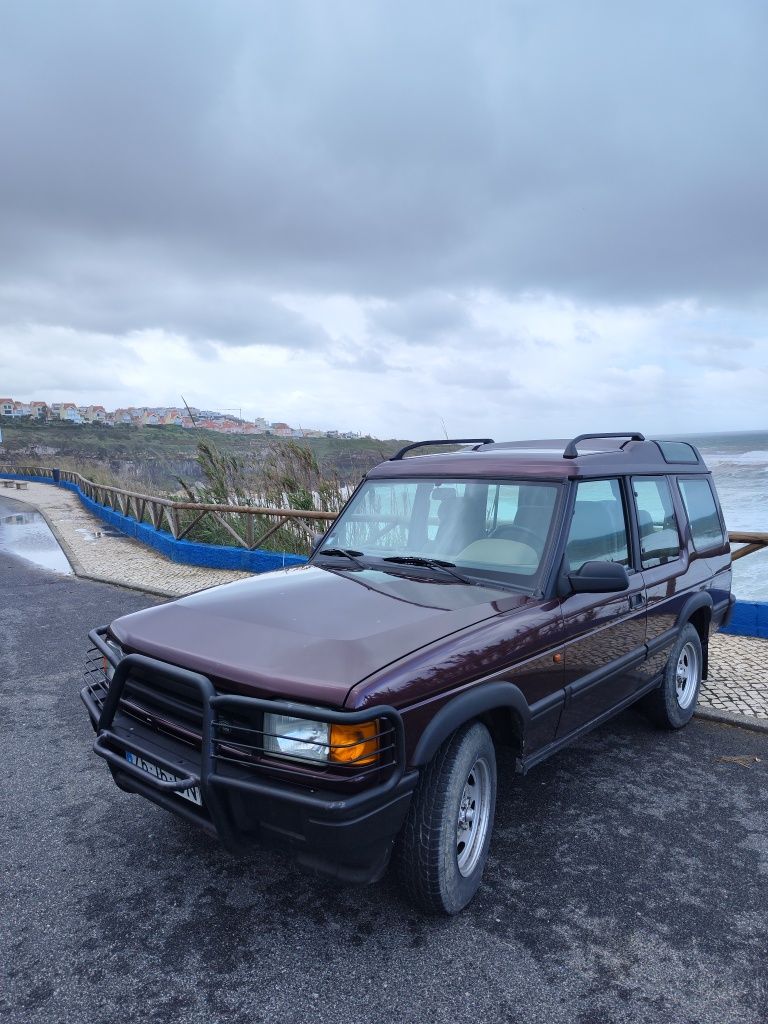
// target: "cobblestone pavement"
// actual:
[[738, 676], [98, 552]]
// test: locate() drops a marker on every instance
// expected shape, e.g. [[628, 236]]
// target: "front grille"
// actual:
[[237, 740], [167, 705], [95, 676]]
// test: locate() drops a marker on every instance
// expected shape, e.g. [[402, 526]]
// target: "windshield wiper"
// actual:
[[432, 563], [353, 556]]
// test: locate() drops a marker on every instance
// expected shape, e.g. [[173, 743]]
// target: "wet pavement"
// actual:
[[98, 552], [25, 534], [628, 879]]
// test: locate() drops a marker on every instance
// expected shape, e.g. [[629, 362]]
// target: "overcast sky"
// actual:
[[519, 218]]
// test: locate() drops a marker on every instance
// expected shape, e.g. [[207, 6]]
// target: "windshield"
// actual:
[[488, 528]]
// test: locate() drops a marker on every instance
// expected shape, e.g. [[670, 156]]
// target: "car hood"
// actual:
[[306, 633]]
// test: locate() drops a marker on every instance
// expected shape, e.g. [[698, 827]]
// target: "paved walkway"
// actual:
[[738, 676], [738, 672], [98, 552]]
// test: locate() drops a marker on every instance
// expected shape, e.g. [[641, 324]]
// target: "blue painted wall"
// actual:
[[749, 618], [187, 551]]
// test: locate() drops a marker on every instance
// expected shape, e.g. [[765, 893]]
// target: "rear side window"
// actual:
[[706, 529], [598, 528], [659, 536]]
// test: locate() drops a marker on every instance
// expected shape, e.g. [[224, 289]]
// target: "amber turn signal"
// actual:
[[358, 744]]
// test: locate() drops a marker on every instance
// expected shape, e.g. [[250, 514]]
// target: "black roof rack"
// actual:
[[430, 444], [571, 450]]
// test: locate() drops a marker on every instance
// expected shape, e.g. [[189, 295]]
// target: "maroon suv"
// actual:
[[350, 709]]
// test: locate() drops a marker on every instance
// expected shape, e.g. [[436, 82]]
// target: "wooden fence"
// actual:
[[752, 542], [249, 526]]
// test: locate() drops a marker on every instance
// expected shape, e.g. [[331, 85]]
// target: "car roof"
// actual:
[[548, 459]]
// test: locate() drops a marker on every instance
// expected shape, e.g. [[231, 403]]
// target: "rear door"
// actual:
[[665, 563], [604, 633]]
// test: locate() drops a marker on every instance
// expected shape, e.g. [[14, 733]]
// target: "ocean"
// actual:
[[739, 464]]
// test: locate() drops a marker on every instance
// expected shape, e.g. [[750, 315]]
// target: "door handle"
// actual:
[[636, 601]]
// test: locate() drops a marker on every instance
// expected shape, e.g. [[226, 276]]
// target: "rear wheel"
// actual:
[[442, 850], [672, 705]]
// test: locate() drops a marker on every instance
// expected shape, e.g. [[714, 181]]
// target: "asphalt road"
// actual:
[[628, 880]]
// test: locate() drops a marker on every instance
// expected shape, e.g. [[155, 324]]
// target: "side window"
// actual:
[[598, 528], [659, 536], [700, 507]]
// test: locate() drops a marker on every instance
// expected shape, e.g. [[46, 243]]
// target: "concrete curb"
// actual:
[[731, 718]]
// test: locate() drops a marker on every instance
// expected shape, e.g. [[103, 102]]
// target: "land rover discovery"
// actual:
[[349, 710]]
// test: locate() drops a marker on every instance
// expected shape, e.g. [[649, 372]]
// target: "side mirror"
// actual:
[[316, 539], [599, 578]]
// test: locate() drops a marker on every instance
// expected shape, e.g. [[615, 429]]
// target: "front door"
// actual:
[[604, 633]]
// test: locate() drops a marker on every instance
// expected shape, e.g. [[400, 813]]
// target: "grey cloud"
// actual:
[[476, 375], [601, 150], [228, 312], [442, 319], [363, 358], [423, 318]]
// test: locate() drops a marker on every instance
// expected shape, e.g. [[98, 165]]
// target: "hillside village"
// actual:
[[158, 416]]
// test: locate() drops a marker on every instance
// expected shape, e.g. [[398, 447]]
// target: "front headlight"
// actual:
[[295, 737], [304, 739], [109, 669]]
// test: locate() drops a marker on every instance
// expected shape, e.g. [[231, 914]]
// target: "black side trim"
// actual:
[[703, 599], [541, 707], [665, 639], [600, 675], [723, 611], [466, 706], [543, 753]]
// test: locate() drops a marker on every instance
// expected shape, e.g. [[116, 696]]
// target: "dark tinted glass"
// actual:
[[677, 451], [598, 528], [702, 513], [659, 536]]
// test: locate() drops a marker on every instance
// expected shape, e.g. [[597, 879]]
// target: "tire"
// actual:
[[671, 706], [441, 852]]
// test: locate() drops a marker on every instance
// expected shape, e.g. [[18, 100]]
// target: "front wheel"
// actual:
[[672, 705], [442, 850]]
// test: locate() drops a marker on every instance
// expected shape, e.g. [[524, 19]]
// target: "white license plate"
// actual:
[[192, 794]]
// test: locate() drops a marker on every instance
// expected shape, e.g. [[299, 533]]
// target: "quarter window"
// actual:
[[598, 528], [659, 536], [706, 529]]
